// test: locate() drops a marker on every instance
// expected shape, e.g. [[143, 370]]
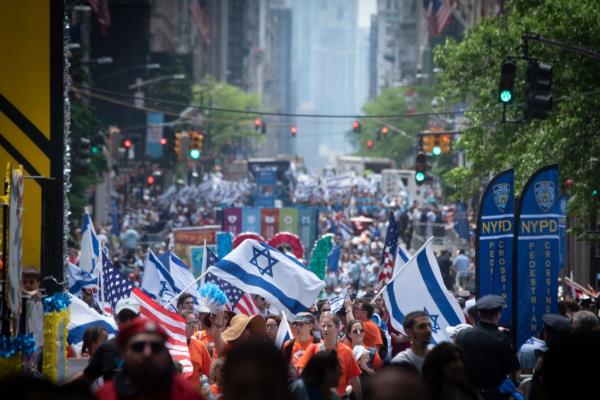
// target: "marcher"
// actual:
[[417, 326], [294, 348], [350, 371], [92, 339], [362, 310], [319, 378], [488, 353], [201, 361], [148, 371]]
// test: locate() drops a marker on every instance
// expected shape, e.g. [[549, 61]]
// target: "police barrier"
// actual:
[[494, 241], [537, 260]]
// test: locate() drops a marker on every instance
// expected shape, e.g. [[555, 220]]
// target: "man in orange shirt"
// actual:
[[199, 355], [302, 327], [362, 310], [350, 371]]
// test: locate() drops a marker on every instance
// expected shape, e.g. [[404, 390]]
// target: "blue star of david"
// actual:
[[270, 261], [435, 327], [163, 288]]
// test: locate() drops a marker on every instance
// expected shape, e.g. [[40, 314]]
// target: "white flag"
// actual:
[[419, 287], [258, 268], [90, 246]]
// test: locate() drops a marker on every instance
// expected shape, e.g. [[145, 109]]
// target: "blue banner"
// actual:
[[154, 133], [266, 185], [251, 219], [461, 220], [562, 229], [495, 237], [537, 253]]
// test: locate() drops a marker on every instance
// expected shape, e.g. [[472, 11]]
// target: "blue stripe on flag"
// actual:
[[435, 290], [164, 272], [80, 284], [233, 269], [396, 313], [177, 261], [405, 257], [76, 334]]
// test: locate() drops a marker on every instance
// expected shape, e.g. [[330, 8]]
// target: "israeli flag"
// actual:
[[337, 303], [158, 282], [90, 246], [284, 332], [258, 268], [182, 276], [82, 317], [79, 279], [401, 258], [419, 286]]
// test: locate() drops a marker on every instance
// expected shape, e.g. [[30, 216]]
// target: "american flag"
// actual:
[[438, 15], [171, 322], [116, 287], [389, 251], [239, 302]]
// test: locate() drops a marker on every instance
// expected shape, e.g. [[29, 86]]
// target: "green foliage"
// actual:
[[402, 137], [569, 137], [225, 130], [318, 259]]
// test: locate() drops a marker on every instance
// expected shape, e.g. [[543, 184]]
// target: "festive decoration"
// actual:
[[212, 299], [224, 244], [318, 260], [289, 239], [246, 235], [56, 318], [12, 351]]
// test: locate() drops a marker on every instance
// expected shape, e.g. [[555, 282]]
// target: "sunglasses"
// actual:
[[139, 347], [192, 323], [298, 323], [358, 331]]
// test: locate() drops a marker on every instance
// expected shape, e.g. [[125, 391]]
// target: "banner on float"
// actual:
[[232, 220], [537, 261], [269, 222], [250, 219], [562, 230], [288, 220], [495, 239], [266, 181], [307, 228], [188, 239]]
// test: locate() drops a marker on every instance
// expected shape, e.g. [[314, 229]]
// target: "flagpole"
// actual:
[[401, 269], [174, 299], [101, 280]]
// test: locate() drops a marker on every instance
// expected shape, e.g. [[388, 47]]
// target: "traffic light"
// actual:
[[370, 144], [356, 127], [150, 180], [163, 141], [420, 168], [427, 143], [293, 130], [446, 143], [196, 144], [507, 81], [177, 146], [98, 142], [538, 99], [385, 130], [127, 143], [259, 125], [80, 151], [437, 148]]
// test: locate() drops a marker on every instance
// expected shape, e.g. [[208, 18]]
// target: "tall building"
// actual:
[[325, 56]]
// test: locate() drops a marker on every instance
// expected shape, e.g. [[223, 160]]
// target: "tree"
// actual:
[[401, 139], [225, 130], [568, 137]]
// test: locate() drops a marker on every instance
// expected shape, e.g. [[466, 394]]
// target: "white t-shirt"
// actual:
[[410, 357]]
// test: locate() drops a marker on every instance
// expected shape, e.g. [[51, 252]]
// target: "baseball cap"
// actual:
[[305, 317], [490, 302], [127, 304]]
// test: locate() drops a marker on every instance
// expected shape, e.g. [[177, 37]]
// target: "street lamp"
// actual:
[[99, 61], [122, 71], [139, 83]]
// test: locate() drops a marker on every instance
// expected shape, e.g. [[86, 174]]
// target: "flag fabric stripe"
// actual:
[[432, 284], [236, 272], [389, 250], [403, 255], [284, 332], [173, 324]]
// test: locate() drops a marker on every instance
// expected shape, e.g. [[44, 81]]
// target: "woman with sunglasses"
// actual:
[[355, 336]]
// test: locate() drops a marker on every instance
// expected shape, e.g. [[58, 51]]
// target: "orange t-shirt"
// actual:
[[201, 360], [349, 367], [372, 335], [298, 350], [209, 342], [215, 390]]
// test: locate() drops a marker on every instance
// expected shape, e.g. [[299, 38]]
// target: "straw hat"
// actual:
[[240, 322]]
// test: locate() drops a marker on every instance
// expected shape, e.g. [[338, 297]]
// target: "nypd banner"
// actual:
[[494, 244], [538, 253], [562, 229]]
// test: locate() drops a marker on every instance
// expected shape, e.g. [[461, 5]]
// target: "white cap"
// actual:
[[127, 304], [455, 330], [358, 351], [469, 304]]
